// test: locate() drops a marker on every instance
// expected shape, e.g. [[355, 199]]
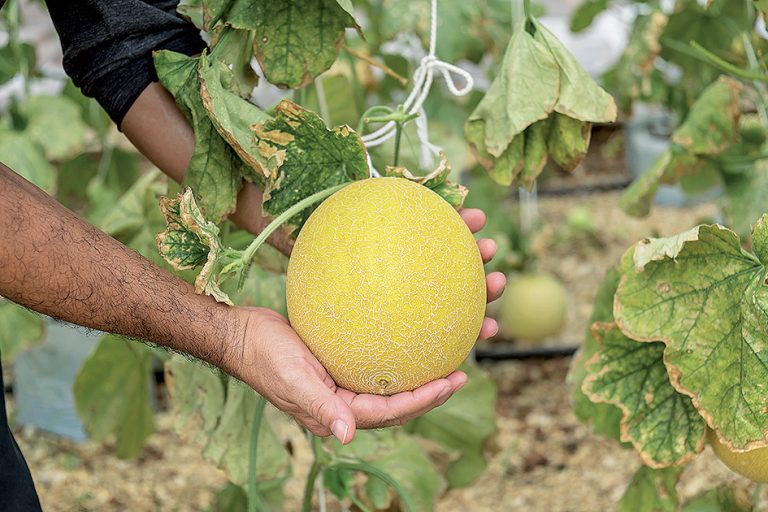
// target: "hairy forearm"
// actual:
[[57, 264], [156, 126]]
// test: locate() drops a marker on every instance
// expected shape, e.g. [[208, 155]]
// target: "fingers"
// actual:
[[489, 329], [474, 218], [487, 248], [494, 285], [372, 411]]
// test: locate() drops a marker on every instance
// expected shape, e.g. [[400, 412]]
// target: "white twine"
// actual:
[[422, 82]]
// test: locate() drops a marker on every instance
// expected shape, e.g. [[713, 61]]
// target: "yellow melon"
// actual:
[[386, 286], [752, 464]]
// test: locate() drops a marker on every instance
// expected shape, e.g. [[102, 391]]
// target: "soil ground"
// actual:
[[542, 458]]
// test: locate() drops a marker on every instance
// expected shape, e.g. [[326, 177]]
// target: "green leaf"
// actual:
[[220, 409], [296, 39], [651, 490], [579, 96], [55, 123], [113, 393], [232, 116], [129, 213], [525, 90], [637, 198], [19, 328], [746, 197], [22, 155], [463, 424], [703, 296], [189, 241], [261, 288], [107, 186], [234, 48], [721, 499], [761, 5], [662, 424], [631, 78], [215, 171], [401, 457], [436, 181], [604, 418], [304, 157], [713, 121], [585, 14], [11, 65]]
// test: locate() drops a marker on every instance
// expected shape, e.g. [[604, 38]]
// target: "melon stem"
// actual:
[[250, 251]]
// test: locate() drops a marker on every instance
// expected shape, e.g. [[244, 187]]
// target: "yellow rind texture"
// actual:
[[386, 286]]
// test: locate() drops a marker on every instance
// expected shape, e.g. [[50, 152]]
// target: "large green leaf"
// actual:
[[704, 297], [55, 123], [651, 490], [22, 155], [19, 328], [215, 171], [304, 157], [463, 424], [662, 424], [220, 409], [113, 393], [296, 39], [586, 12], [129, 213], [234, 48], [403, 459]]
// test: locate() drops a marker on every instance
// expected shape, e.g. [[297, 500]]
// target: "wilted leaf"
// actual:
[[113, 393], [234, 48], [304, 157], [55, 123], [436, 180], [568, 140], [464, 423], [296, 39], [232, 116], [661, 423], [651, 490], [579, 96], [704, 297], [19, 328], [525, 90], [536, 137], [189, 241], [215, 171]]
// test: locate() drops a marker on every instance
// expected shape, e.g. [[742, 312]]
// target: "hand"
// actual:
[[277, 364], [495, 281]]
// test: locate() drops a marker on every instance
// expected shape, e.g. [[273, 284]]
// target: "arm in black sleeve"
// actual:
[[108, 45]]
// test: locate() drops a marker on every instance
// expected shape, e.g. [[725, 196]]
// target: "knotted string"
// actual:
[[422, 82]]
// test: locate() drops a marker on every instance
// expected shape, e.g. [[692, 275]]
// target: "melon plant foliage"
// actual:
[[676, 351]]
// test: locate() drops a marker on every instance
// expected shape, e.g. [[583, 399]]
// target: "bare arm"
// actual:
[[156, 126], [57, 264]]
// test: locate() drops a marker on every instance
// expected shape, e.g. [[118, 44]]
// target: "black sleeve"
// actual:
[[108, 45]]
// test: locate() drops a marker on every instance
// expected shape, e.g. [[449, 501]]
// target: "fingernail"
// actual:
[[340, 430]]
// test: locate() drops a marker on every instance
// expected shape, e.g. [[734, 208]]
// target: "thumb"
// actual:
[[335, 414]]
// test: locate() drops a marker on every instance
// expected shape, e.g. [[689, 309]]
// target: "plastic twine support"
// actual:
[[422, 82]]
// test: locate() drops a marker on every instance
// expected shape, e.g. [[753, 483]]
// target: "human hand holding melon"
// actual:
[[278, 364]]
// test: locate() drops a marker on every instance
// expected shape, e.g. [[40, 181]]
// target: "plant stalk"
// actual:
[[243, 263], [318, 464], [255, 503], [398, 136]]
